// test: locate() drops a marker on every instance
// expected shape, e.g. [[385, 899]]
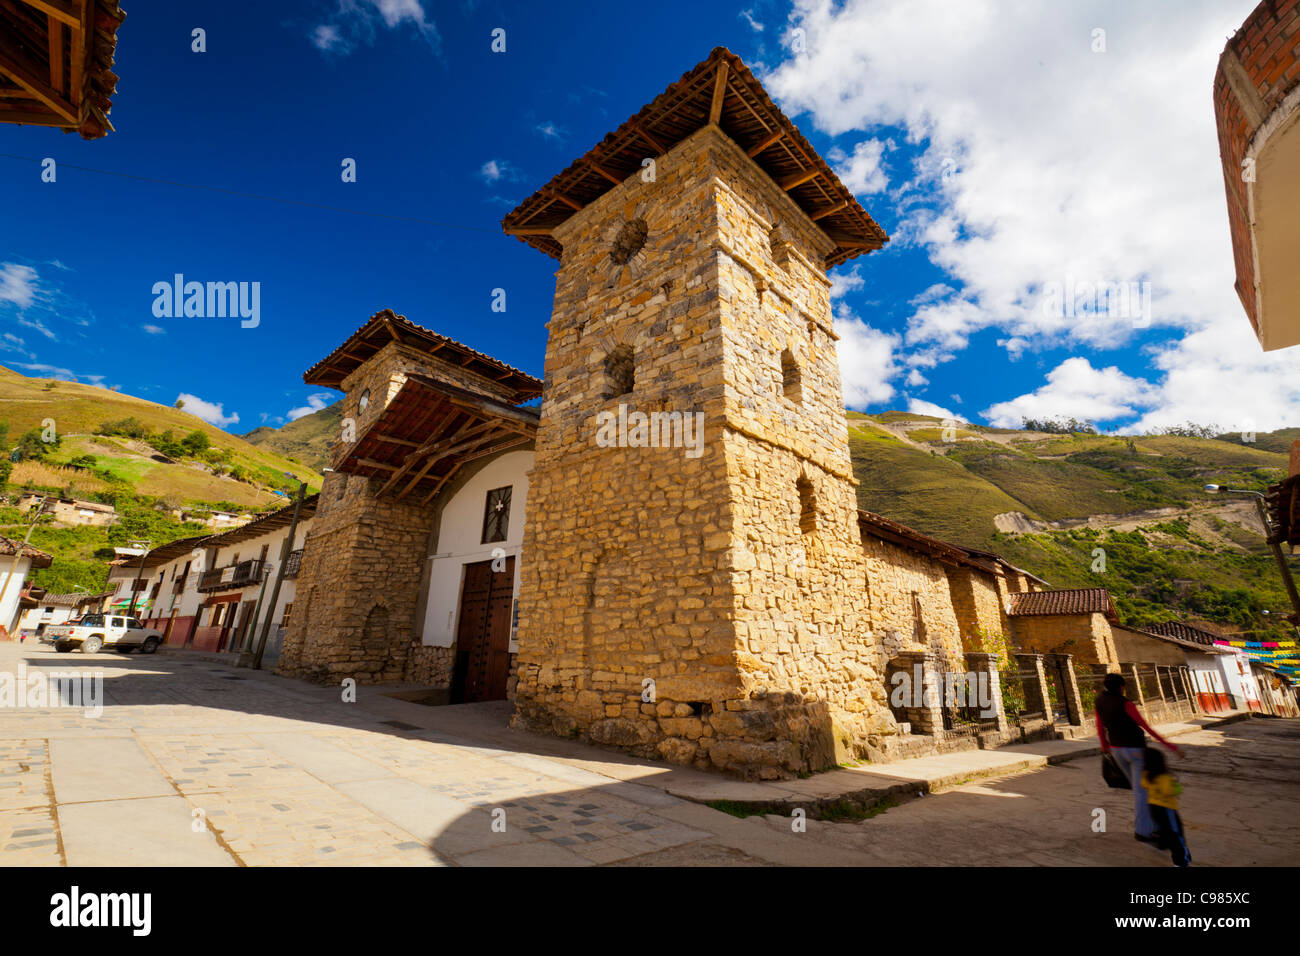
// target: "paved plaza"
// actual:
[[194, 762]]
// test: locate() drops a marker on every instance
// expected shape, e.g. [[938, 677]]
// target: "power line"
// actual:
[[275, 199]]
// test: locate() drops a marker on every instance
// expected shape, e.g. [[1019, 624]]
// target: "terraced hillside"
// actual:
[[1126, 512]]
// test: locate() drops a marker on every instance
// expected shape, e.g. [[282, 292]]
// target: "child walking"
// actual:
[[1162, 796]]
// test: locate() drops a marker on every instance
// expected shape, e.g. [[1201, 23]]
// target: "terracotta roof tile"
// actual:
[[1070, 601]]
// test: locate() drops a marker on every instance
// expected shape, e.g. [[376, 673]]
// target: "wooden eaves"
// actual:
[[56, 63], [723, 92], [428, 432]]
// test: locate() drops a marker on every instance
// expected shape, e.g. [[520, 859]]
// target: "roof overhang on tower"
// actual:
[[429, 431], [386, 327], [723, 92], [56, 63]]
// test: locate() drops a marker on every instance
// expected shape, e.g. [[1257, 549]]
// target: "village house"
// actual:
[[40, 609], [69, 511], [16, 560]]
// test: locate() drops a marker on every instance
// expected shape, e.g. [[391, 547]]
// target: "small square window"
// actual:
[[496, 515]]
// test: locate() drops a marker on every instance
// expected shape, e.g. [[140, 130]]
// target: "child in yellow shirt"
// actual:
[[1162, 796]]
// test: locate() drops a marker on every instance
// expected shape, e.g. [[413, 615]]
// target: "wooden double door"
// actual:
[[483, 632]]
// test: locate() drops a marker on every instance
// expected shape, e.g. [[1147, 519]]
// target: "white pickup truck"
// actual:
[[96, 631]]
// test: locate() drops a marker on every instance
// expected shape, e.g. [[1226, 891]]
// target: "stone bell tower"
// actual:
[[698, 595]]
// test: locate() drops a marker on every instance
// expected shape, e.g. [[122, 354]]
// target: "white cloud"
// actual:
[[355, 21], [314, 404], [844, 282], [861, 171], [211, 412], [915, 379], [549, 130], [1048, 162], [1075, 389], [867, 361], [495, 170], [17, 285], [919, 406], [154, 329], [748, 17], [327, 38]]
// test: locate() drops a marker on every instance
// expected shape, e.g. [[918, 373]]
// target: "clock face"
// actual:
[[364, 400]]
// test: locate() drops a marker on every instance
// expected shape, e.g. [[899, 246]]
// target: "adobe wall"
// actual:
[[978, 602]]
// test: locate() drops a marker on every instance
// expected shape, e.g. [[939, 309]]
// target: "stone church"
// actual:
[[714, 599]]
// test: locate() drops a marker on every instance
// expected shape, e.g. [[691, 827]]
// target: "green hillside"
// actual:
[[306, 439], [1056, 503], [149, 461]]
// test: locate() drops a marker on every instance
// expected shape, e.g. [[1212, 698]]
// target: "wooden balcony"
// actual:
[[232, 576]]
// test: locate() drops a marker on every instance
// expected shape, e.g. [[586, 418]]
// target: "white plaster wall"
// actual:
[[13, 571], [460, 541]]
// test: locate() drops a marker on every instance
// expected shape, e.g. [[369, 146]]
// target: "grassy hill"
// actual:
[[305, 439], [242, 474], [155, 461], [1129, 513]]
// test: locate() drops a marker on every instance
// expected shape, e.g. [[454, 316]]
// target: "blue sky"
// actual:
[[998, 146]]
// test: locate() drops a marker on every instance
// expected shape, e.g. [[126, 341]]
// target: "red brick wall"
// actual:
[[1268, 46]]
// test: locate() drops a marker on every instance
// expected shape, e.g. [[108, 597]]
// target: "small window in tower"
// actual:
[[629, 241], [791, 377], [620, 371], [807, 505], [363, 401], [496, 515]]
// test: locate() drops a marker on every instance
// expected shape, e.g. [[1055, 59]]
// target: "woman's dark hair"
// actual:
[[1153, 762], [1114, 683]]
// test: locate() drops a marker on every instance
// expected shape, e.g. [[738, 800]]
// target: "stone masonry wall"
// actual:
[[981, 613], [911, 606], [1086, 636], [363, 566], [706, 609]]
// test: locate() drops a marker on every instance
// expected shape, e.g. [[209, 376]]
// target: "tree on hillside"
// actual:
[[180, 404], [196, 442], [32, 446]]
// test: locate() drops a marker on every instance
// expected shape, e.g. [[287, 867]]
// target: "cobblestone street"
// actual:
[[197, 763]]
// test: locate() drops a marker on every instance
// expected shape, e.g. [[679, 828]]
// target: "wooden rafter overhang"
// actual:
[[56, 63], [723, 92], [387, 326], [430, 430], [895, 533]]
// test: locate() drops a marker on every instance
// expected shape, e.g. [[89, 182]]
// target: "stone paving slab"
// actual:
[[154, 831]]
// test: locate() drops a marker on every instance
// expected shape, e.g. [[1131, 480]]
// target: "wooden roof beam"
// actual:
[[798, 179], [56, 56], [62, 10], [27, 75], [765, 143], [719, 93], [829, 211], [601, 171], [645, 135], [528, 231], [571, 203]]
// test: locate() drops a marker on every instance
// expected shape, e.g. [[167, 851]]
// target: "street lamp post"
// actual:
[[1267, 523]]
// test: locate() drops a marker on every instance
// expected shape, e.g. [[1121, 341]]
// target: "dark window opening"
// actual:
[[791, 377], [496, 515], [807, 505], [620, 371]]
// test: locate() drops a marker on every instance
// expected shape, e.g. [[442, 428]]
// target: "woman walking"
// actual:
[[1122, 730]]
